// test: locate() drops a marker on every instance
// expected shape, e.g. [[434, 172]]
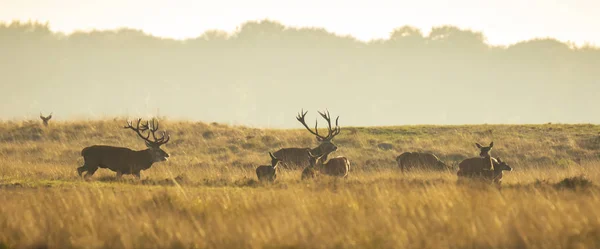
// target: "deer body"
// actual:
[[124, 160], [420, 160], [477, 168], [268, 172], [337, 167], [296, 157], [477, 164], [118, 159]]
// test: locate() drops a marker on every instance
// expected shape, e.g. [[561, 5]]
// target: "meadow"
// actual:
[[207, 194]]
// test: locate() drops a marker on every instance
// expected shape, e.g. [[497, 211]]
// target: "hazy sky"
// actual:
[[502, 21]]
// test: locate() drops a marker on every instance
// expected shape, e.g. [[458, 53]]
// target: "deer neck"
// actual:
[[490, 160], [316, 151], [319, 151], [148, 157]]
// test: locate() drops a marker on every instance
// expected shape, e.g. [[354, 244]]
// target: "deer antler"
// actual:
[[331, 132], [45, 118], [139, 130], [336, 130], [158, 141], [153, 128]]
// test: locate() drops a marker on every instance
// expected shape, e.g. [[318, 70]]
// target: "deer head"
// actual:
[[153, 144], [326, 145], [485, 150], [45, 119], [502, 165]]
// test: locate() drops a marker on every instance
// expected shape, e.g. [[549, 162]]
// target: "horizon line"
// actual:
[[80, 118]]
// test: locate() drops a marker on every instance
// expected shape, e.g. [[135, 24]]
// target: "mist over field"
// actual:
[[265, 72]]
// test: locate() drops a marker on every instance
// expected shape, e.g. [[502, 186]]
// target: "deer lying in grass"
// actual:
[[476, 168], [45, 119], [420, 160], [296, 157], [337, 166], [268, 172], [124, 160]]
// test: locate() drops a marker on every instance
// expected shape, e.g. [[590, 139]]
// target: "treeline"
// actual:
[[263, 73]]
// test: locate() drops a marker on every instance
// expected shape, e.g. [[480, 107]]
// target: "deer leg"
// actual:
[[90, 172], [81, 169], [137, 175]]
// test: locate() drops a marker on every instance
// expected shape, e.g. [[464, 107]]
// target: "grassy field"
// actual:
[[207, 195]]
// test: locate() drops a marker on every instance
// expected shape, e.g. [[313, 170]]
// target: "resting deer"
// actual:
[[268, 172], [45, 119], [124, 160], [296, 157], [420, 160], [337, 166]]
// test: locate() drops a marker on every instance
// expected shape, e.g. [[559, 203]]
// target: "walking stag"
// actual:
[[124, 160]]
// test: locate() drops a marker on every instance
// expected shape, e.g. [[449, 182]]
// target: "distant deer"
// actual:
[[476, 168], [420, 160], [45, 119], [268, 172], [296, 157], [337, 166], [124, 160]]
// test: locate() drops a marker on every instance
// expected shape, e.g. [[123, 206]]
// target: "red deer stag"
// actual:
[[337, 166], [124, 160], [45, 119], [268, 172], [293, 158]]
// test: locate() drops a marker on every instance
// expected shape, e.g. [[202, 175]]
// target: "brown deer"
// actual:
[[296, 157], [476, 168], [45, 119], [124, 160], [420, 160], [337, 166], [268, 172]]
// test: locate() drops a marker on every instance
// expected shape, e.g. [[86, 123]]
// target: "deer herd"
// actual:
[[313, 161]]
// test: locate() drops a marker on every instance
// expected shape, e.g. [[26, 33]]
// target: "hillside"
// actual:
[[221, 147]]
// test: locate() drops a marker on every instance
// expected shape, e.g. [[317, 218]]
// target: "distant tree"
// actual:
[[407, 37], [265, 67], [455, 38]]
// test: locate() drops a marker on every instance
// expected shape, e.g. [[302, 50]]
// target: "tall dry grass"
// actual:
[[207, 195]]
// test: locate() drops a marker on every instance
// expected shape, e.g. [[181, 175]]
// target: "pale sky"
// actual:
[[502, 21]]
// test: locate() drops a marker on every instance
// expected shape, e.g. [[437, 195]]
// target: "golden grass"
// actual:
[[207, 195]]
